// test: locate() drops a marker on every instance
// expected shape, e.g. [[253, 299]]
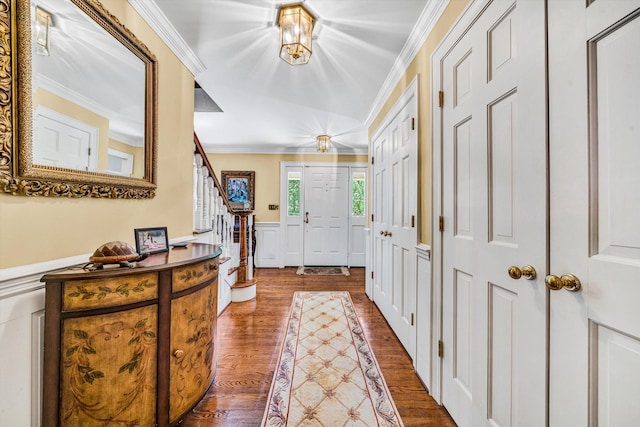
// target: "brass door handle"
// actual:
[[382, 233], [178, 354], [388, 234], [385, 233], [566, 281], [527, 271]]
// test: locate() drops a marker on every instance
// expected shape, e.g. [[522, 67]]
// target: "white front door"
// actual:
[[394, 151], [494, 212], [326, 216], [594, 142]]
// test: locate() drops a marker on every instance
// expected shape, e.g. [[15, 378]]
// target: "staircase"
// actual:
[[214, 220]]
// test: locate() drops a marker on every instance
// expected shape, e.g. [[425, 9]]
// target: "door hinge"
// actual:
[[413, 221], [412, 319], [440, 99], [372, 275], [371, 217], [89, 151], [372, 160], [413, 123], [440, 349], [441, 223]]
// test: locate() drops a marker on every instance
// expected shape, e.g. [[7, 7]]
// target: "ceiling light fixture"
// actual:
[[323, 143], [296, 27]]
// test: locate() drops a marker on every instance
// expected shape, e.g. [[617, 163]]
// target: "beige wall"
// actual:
[[37, 229], [267, 177], [421, 67]]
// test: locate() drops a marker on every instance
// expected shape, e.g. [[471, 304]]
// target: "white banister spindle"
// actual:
[[205, 193], [223, 234], [199, 192], [219, 204], [230, 221], [215, 215], [211, 202], [195, 192], [250, 247]]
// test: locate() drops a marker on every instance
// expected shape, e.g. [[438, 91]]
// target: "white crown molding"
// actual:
[[50, 85], [262, 149], [157, 20], [426, 21]]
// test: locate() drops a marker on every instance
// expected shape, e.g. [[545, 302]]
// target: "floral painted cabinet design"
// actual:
[[133, 346]]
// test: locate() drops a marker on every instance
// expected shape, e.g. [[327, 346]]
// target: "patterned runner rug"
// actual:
[[327, 375]]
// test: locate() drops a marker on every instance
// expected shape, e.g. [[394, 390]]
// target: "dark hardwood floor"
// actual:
[[249, 339]]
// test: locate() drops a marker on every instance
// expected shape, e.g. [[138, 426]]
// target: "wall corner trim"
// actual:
[[426, 21]]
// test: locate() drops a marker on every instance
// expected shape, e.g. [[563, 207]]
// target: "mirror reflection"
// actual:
[[88, 94]]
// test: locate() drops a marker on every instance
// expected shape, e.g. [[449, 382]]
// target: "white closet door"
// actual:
[[494, 209]]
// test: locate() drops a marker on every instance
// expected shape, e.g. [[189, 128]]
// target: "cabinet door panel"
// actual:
[[108, 368], [193, 330]]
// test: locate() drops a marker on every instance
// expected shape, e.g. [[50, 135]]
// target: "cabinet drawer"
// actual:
[[115, 291], [192, 275]]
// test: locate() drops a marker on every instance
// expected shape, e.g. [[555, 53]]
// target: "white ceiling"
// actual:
[[360, 49]]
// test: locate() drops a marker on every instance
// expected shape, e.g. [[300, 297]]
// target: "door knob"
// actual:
[[382, 233], [527, 271], [567, 281]]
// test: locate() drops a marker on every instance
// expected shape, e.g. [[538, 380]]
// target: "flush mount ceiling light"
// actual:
[[323, 143], [296, 27]]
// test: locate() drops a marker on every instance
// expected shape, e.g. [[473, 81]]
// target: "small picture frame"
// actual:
[[151, 240], [239, 186]]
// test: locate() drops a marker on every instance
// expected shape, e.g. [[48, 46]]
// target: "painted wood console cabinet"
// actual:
[[131, 346]]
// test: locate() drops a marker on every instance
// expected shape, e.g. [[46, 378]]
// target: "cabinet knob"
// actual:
[[178, 354]]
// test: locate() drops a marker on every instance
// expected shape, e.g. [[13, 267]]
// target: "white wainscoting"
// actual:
[[424, 318], [22, 339], [267, 244]]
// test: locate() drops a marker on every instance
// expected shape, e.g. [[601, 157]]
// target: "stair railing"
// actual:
[[213, 214]]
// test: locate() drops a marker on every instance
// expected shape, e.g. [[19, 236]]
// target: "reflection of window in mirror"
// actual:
[[119, 163]]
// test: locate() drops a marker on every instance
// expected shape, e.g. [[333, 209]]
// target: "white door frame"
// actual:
[[457, 30], [283, 202]]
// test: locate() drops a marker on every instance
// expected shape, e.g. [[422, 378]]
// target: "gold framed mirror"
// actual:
[[78, 102]]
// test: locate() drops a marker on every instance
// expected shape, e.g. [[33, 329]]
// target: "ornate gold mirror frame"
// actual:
[[18, 174]]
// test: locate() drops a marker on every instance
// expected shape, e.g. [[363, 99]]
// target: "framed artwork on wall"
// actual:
[[239, 186], [151, 240]]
